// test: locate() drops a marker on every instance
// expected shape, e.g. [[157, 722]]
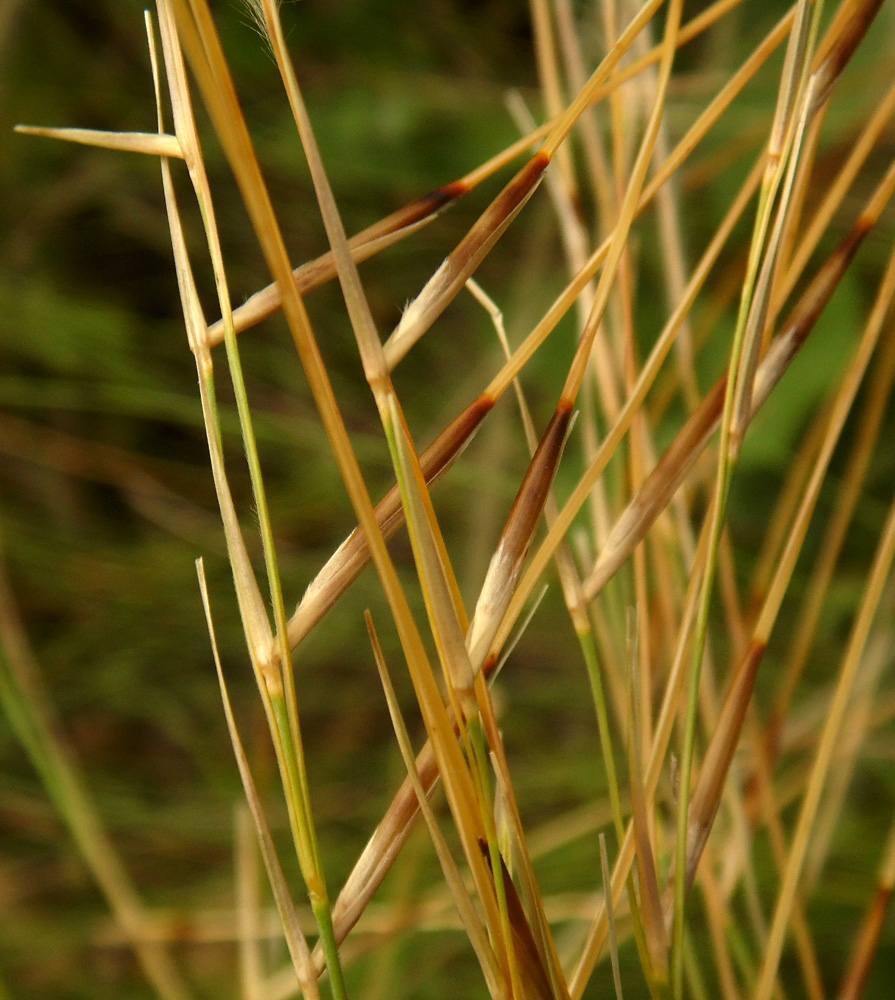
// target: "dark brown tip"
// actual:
[[441, 197], [423, 207], [495, 219], [536, 484]]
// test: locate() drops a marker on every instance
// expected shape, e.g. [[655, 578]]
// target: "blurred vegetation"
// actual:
[[106, 499]]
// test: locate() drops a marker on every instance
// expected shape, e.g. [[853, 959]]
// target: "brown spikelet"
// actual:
[[509, 556]]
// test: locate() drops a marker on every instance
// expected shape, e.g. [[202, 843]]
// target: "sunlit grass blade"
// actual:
[[509, 556], [185, 128], [255, 623], [447, 628], [444, 607], [471, 698], [148, 143], [295, 939], [275, 675]]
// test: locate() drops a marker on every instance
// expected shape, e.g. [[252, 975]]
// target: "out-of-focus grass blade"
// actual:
[[248, 902], [867, 942], [446, 627], [719, 919], [610, 917], [27, 708]]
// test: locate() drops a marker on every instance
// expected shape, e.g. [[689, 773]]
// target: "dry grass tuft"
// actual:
[[685, 298]]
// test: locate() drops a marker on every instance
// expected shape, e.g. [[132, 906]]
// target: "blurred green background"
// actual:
[[106, 499]]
